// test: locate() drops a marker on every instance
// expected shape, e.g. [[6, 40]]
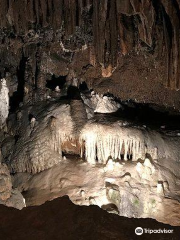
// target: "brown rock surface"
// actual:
[[135, 43], [60, 219]]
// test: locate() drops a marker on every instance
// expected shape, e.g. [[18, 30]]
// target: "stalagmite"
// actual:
[[147, 163], [146, 174], [110, 165], [155, 153], [166, 186], [57, 89], [33, 121], [82, 193], [160, 188]]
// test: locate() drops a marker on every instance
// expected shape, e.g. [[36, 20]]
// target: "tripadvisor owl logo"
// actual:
[[138, 231]]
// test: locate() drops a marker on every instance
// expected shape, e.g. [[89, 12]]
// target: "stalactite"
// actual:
[[168, 47], [174, 70], [43, 12], [36, 7], [31, 17], [105, 32], [146, 13], [4, 12], [79, 11], [103, 142], [70, 17], [57, 8], [99, 19], [118, 26]]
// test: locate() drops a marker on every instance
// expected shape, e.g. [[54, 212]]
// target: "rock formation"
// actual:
[[45, 38], [9, 196], [4, 102], [89, 105]]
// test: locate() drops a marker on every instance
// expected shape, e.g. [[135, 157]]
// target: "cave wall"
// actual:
[[132, 44]]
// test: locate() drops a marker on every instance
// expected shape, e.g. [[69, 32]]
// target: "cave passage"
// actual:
[[56, 81]]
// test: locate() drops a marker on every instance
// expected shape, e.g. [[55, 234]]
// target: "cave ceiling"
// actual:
[[46, 37]]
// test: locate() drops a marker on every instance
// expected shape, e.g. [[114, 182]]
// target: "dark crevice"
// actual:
[[176, 5], [77, 15], [36, 73], [83, 87], [19, 94], [168, 26], [56, 81], [74, 93]]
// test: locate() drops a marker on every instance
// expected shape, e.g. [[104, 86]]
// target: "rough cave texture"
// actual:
[[138, 190], [42, 133], [60, 219], [74, 79], [9, 196], [133, 44]]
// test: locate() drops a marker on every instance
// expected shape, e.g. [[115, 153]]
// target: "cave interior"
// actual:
[[90, 108]]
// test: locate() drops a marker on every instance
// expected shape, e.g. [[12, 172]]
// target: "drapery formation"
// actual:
[[118, 26]]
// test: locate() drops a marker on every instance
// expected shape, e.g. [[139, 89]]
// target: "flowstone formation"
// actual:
[[53, 149], [132, 189], [82, 85], [45, 132], [103, 140], [43, 135]]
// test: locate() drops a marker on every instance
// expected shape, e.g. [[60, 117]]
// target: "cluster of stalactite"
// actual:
[[118, 27], [125, 25], [25, 15], [171, 20]]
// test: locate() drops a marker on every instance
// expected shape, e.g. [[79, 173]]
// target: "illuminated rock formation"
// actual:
[[103, 141], [133, 193], [45, 136], [99, 104], [76, 77], [64, 128], [4, 101], [39, 147]]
